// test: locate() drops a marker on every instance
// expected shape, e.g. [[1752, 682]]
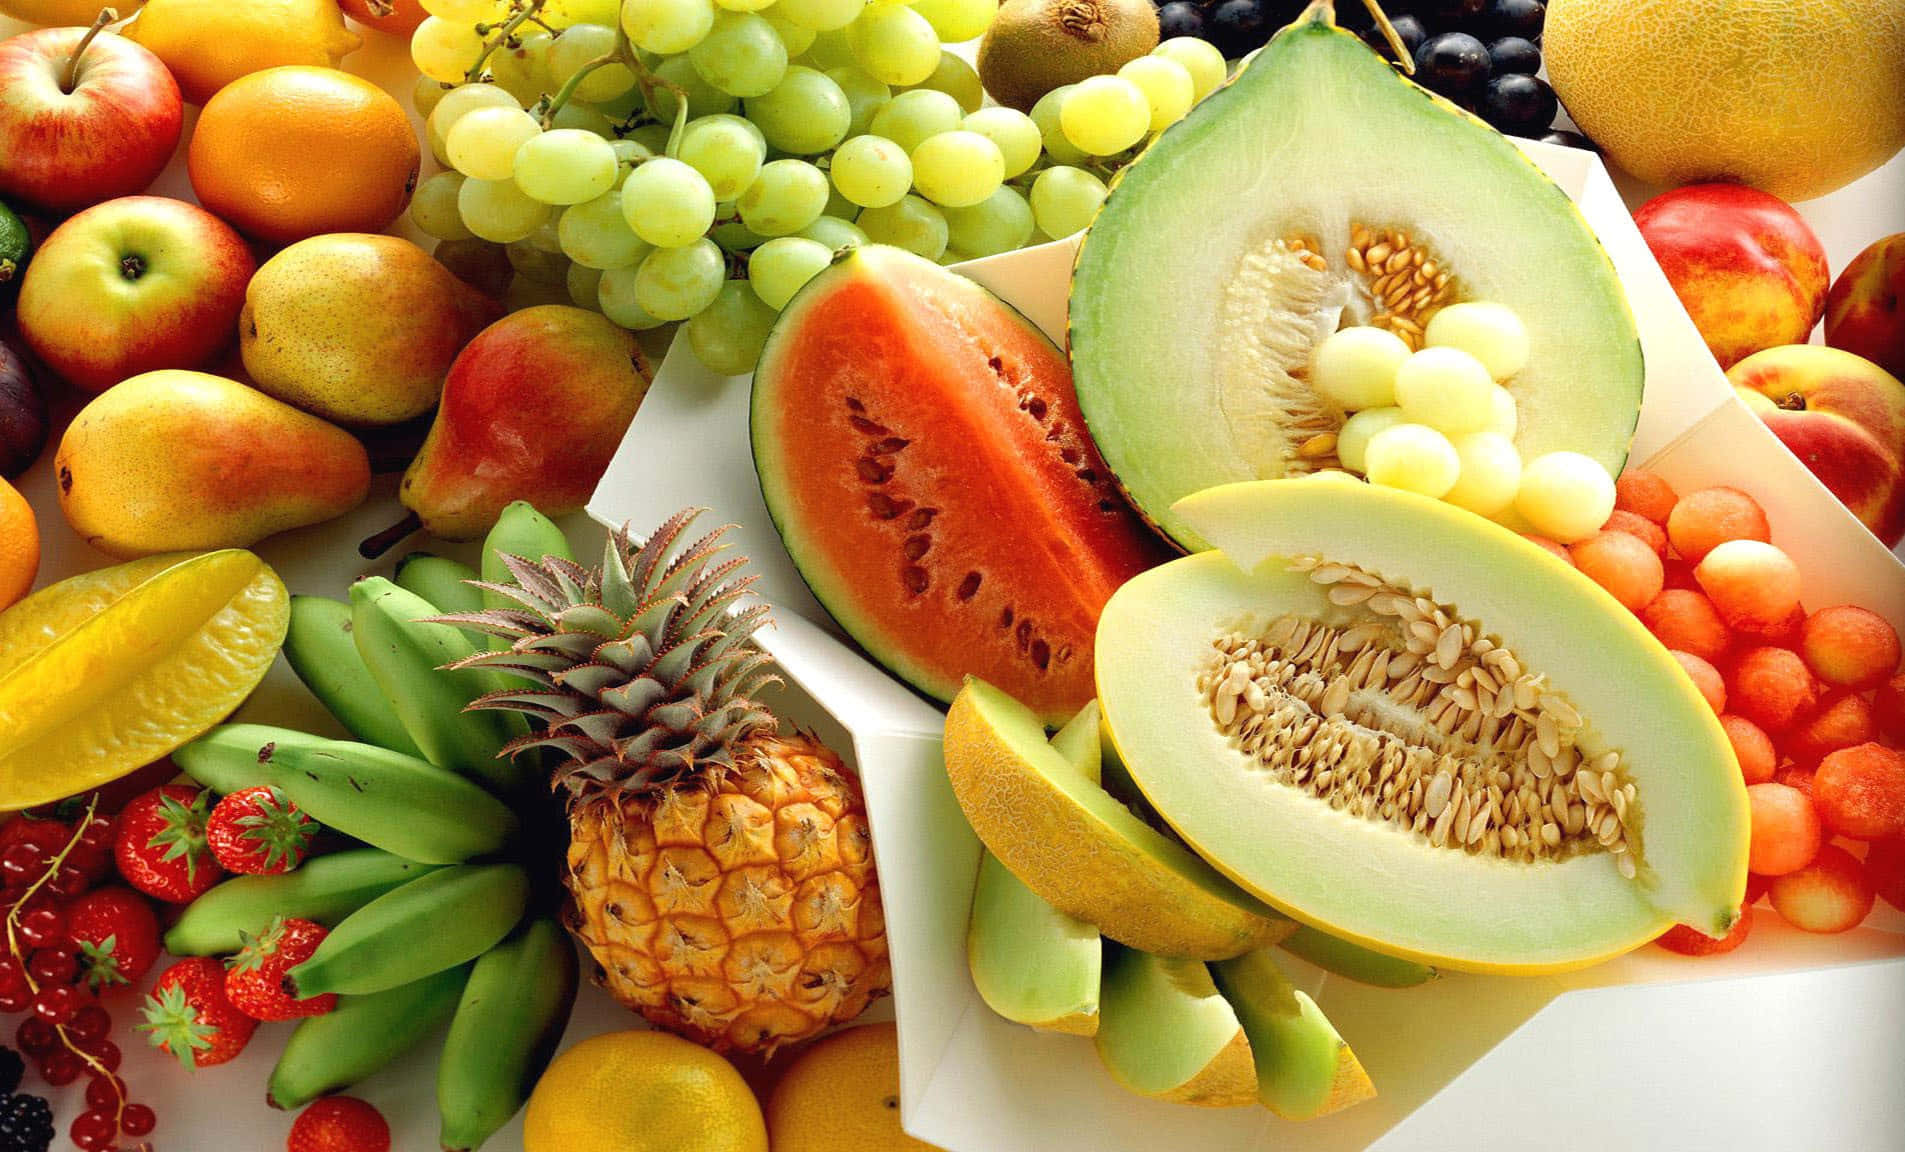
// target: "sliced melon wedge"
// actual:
[[1339, 957], [1304, 1069], [1167, 1033], [1283, 704]]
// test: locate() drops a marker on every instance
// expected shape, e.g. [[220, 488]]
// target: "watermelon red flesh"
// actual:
[[922, 452]]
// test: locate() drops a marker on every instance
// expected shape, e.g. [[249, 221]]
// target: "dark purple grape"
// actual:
[[1452, 64], [1520, 105], [1451, 15], [1569, 139], [1239, 26], [1513, 54], [1180, 18], [23, 422], [1521, 18], [1408, 29]]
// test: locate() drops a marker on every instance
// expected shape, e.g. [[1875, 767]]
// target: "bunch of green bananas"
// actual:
[[435, 919]]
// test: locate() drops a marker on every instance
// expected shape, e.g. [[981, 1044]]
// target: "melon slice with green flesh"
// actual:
[[1194, 312], [921, 452], [1339, 957], [1304, 1069], [1240, 767], [1080, 850], [1168, 1033]]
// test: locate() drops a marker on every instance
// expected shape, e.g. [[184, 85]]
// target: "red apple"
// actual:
[[74, 134], [1865, 311], [1842, 415], [134, 285], [1745, 265]]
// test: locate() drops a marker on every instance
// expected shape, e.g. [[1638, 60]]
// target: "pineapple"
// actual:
[[721, 869]]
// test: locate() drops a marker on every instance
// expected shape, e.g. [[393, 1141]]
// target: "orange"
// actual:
[[397, 17], [19, 546], [289, 153], [844, 1092]]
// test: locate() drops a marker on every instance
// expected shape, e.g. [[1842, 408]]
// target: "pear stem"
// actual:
[[384, 541], [69, 78]]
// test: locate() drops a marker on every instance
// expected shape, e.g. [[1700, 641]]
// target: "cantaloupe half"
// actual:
[[1168, 1033], [1285, 794]]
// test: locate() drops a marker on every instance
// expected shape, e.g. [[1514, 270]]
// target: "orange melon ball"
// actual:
[[1706, 678], [1889, 705], [1773, 688], [1622, 564], [1860, 792], [1639, 527], [1644, 494], [1704, 520], [1885, 868], [1849, 647], [1787, 832], [1684, 619], [1751, 747], [1844, 720], [1831, 894], [1549, 545], [1753, 584]]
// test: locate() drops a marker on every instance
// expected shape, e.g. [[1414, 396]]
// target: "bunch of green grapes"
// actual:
[[697, 161]]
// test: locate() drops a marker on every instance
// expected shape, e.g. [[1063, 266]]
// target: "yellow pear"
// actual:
[[209, 43], [357, 328], [178, 461]]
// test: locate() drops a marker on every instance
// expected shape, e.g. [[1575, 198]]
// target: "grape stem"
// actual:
[[1325, 12], [520, 17], [624, 54]]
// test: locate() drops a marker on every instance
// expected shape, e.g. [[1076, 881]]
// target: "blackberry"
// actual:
[[26, 1124], [11, 1069]]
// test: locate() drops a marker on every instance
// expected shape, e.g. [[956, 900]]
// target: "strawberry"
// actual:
[[116, 934], [161, 848], [256, 980], [188, 1015], [259, 832], [339, 1124]]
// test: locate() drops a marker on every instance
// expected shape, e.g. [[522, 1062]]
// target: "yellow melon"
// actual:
[[1795, 97]]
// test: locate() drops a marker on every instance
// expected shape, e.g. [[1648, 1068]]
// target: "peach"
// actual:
[[1844, 417], [1692, 942], [1684, 619], [1752, 748], [1704, 520], [1843, 721], [1753, 584], [1622, 564], [1773, 689], [1786, 829], [1831, 894], [1860, 792], [1849, 647], [1747, 268], [1706, 678], [1865, 310], [1640, 528], [1885, 868], [1644, 494], [1889, 704]]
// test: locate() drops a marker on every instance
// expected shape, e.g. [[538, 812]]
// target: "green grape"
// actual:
[[1065, 199], [724, 151], [912, 224], [654, 137], [784, 198], [778, 268], [426, 94], [1165, 85], [1489, 332], [583, 117], [830, 48], [483, 142], [529, 292], [895, 45], [585, 285], [461, 11], [523, 71], [704, 99], [615, 292], [581, 44], [872, 171], [569, 13], [1414, 458], [1491, 473], [532, 261], [806, 113], [728, 336], [457, 103], [433, 207], [742, 56], [1352, 440], [821, 15], [1013, 131], [743, 5], [1200, 58], [1002, 222], [1565, 496], [1355, 367], [910, 118], [628, 154], [596, 234], [796, 38], [498, 211], [957, 169], [565, 166], [865, 96], [1104, 114], [955, 78], [667, 26], [731, 234], [833, 232], [839, 206], [443, 50], [667, 203], [1045, 114], [626, 108], [1447, 389], [676, 283], [955, 21], [546, 237]]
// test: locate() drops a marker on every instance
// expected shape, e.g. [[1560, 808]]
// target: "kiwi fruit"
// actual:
[[1035, 46]]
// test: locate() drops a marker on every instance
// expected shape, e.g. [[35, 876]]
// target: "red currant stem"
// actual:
[[503, 34], [52, 867], [92, 1062]]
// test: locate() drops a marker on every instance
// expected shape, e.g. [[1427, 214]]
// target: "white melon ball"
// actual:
[[1355, 368], [1447, 389], [1489, 332], [1507, 414], [1565, 496], [1491, 473], [1414, 458], [1352, 441]]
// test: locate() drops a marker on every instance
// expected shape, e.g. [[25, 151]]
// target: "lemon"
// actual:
[[107, 672], [209, 43], [62, 13], [642, 1092], [844, 1092]]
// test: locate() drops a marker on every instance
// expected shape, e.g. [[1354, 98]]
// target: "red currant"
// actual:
[[98, 833], [53, 966], [68, 882], [105, 1092], [56, 1004], [95, 864], [16, 999], [137, 1120], [10, 975], [36, 1037], [88, 1024], [60, 1067], [94, 1130], [22, 864], [43, 927], [106, 1053]]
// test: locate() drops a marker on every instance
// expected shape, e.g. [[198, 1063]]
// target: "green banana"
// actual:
[[512, 1015], [440, 580], [320, 650], [360, 1036], [519, 531], [434, 922], [388, 800], [325, 889], [408, 659], [1354, 962]]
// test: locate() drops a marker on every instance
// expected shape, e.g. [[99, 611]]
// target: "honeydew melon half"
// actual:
[[1193, 314], [1385, 880]]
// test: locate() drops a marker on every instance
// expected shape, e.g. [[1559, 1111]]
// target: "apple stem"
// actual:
[[69, 80], [384, 541]]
